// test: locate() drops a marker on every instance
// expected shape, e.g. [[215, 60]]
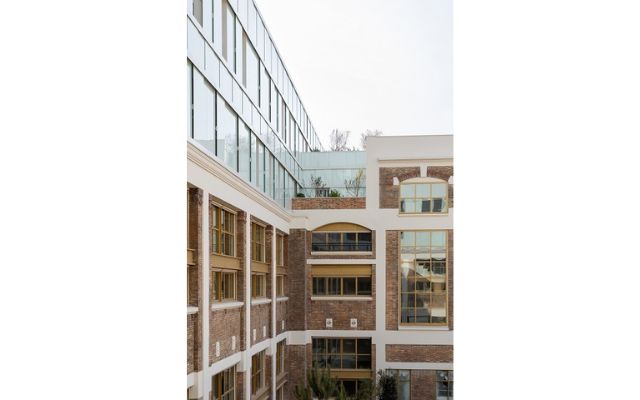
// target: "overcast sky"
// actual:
[[368, 64]]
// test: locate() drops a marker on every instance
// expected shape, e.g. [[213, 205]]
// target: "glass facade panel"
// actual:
[[203, 112], [229, 35], [244, 153], [227, 143]]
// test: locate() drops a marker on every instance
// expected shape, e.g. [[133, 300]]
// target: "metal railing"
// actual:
[[332, 192], [341, 247]]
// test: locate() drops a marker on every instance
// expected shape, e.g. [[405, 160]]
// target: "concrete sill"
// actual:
[[341, 253], [279, 299], [423, 328], [257, 302], [226, 304], [192, 310], [342, 298]]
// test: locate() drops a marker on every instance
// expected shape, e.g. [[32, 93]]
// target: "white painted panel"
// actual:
[[195, 45], [226, 83], [212, 71]]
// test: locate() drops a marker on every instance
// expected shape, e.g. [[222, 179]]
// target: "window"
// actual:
[[197, 10], [250, 70], [257, 242], [342, 286], [341, 241], [423, 277], [340, 353], [224, 285], [223, 229], [423, 197], [280, 393], [244, 153], [353, 386], [257, 372], [223, 385], [227, 135], [280, 360], [258, 285], [444, 389], [228, 35], [204, 111], [403, 383], [280, 285], [280, 250]]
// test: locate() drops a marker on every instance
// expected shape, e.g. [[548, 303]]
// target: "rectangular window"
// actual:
[[280, 393], [250, 70], [197, 10], [444, 382], [257, 242], [223, 385], [341, 286], [227, 135], [280, 358], [223, 229], [403, 383], [341, 241], [257, 372], [224, 285], [342, 353], [423, 197], [244, 153], [204, 111], [280, 285], [228, 35], [423, 277], [280, 250], [258, 285]]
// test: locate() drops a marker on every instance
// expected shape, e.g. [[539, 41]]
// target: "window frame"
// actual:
[[328, 356], [341, 246], [256, 244], [445, 292], [257, 372], [415, 198], [254, 285], [341, 278], [280, 285], [219, 279], [449, 379], [280, 357], [279, 250], [216, 231], [222, 393]]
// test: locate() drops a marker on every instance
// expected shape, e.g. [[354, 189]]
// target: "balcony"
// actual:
[[341, 247]]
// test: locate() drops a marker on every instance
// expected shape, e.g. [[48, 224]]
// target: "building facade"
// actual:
[[278, 283]]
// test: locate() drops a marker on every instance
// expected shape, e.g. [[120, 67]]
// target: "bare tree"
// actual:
[[320, 188], [364, 135], [355, 185], [338, 141]]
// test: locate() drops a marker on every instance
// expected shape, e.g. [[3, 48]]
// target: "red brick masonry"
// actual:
[[328, 203], [419, 353]]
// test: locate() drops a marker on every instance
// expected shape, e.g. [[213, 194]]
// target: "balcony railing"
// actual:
[[341, 247]]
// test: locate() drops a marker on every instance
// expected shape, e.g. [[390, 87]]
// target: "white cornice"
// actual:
[[203, 160]]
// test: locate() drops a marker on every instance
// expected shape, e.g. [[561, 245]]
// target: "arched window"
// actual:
[[424, 196]]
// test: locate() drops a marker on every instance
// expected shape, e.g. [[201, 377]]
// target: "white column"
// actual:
[[273, 312], [204, 292], [246, 357], [381, 295]]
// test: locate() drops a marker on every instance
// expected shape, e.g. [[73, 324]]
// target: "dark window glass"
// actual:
[[333, 286], [319, 286], [318, 241], [364, 362], [364, 346], [437, 205], [364, 286], [349, 286], [349, 361], [364, 241], [349, 346]]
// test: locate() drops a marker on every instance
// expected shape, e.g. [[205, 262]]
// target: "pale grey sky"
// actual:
[[368, 64]]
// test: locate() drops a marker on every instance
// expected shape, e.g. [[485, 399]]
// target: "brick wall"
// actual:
[[295, 366], [296, 318], [341, 310], [281, 315], [391, 314], [450, 278], [419, 353], [423, 384], [328, 203], [260, 316], [223, 324], [194, 277], [389, 193]]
